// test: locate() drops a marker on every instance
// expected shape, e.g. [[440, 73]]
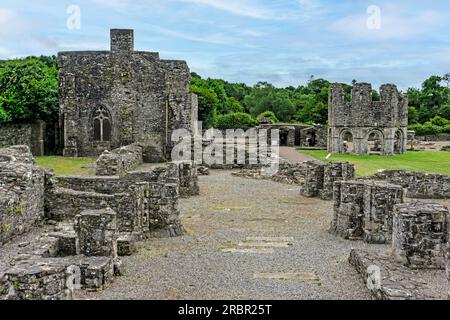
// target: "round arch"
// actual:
[[346, 141], [375, 142]]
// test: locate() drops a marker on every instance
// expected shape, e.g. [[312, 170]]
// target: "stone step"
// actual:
[[249, 250], [298, 276]]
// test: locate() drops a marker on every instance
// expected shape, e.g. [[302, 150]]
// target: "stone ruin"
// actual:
[[420, 241], [364, 126], [110, 99], [418, 232], [421, 235], [21, 190], [89, 221], [364, 210], [315, 178]]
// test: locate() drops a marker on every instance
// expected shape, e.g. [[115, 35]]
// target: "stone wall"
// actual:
[[364, 210], [30, 134], [143, 200], [439, 137], [417, 184], [21, 192], [420, 234]]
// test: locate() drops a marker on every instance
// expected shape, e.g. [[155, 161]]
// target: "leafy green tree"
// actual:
[[268, 115], [413, 116], [29, 90], [439, 121], [234, 105], [207, 105], [238, 120]]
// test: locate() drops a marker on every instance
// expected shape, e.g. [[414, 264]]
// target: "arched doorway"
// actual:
[[375, 143], [398, 142], [347, 143]]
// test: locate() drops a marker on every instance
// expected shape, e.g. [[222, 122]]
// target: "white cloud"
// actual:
[[118, 4], [245, 8], [219, 39], [392, 26]]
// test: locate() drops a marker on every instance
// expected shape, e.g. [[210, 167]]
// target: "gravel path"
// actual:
[[217, 259], [292, 155]]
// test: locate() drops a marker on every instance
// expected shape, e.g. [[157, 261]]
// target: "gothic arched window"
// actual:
[[102, 124]]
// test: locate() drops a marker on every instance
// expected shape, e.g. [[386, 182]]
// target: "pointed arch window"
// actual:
[[102, 124]]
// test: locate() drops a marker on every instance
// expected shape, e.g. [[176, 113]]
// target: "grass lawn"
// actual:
[[425, 161], [63, 165]]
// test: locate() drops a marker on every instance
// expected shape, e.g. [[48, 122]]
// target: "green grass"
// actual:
[[64, 166], [424, 161]]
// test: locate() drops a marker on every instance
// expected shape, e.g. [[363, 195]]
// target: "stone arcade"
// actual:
[[364, 126]]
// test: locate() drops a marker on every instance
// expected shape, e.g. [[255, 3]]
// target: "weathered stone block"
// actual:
[[364, 209], [420, 234], [37, 281], [97, 273], [126, 245], [97, 232]]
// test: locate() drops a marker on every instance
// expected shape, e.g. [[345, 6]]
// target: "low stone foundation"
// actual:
[[364, 210], [417, 184], [314, 177], [144, 201], [79, 255], [388, 280], [420, 235]]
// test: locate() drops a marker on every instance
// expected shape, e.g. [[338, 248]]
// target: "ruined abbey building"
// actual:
[[363, 126], [110, 99]]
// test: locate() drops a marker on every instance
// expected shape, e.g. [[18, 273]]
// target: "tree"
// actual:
[[413, 116], [268, 115], [238, 120], [207, 105], [29, 90]]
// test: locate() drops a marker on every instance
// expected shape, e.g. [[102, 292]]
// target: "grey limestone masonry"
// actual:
[[110, 99], [97, 232], [364, 210], [21, 192], [420, 235], [119, 161], [29, 134], [364, 126], [417, 184]]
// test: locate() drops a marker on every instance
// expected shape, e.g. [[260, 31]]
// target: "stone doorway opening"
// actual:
[[375, 143], [347, 143]]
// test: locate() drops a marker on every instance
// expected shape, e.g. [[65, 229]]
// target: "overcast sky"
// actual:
[[283, 41]]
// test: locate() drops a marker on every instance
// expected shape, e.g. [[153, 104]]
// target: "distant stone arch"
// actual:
[[375, 142], [347, 144], [101, 121]]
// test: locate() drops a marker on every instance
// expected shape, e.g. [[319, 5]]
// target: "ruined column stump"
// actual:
[[97, 232], [364, 209], [420, 235]]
